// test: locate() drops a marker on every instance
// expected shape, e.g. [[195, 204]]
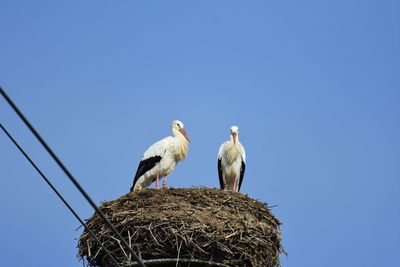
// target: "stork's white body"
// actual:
[[160, 159], [231, 164]]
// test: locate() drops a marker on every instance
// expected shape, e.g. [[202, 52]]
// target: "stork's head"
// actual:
[[177, 129], [234, 133]]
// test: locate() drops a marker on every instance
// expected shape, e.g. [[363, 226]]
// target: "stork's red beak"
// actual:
[[184, 134], [234, 137]]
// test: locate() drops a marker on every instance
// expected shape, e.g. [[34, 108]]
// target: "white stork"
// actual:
[[231, 162], [161, 158]]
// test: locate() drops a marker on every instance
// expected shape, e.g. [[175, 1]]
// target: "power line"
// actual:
[[56, 191], [70, 176]]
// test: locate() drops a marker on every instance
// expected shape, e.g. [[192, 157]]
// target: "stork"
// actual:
[[161, 158], [231, 162]]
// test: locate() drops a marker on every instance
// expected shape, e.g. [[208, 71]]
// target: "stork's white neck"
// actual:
[[233, 150], [183, 145]]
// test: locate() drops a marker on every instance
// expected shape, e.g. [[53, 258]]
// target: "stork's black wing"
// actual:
[[144, 166], [242, 169], [221, 179]]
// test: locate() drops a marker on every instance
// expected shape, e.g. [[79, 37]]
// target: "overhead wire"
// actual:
[[69, 207], [70, 176]]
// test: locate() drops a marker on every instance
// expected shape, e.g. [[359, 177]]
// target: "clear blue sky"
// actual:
[[313, 85]]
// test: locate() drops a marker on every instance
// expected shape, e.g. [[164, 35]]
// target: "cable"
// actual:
[[70, 176], [56, 191], [169, 262]]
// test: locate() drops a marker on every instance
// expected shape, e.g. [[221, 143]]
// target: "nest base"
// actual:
[[194, 226]]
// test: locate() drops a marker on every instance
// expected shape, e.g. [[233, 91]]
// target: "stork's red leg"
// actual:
[[164, 185], [157, 181], [234, 185], [223, 178]]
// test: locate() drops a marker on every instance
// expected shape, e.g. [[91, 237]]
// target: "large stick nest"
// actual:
[[188, 224]]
